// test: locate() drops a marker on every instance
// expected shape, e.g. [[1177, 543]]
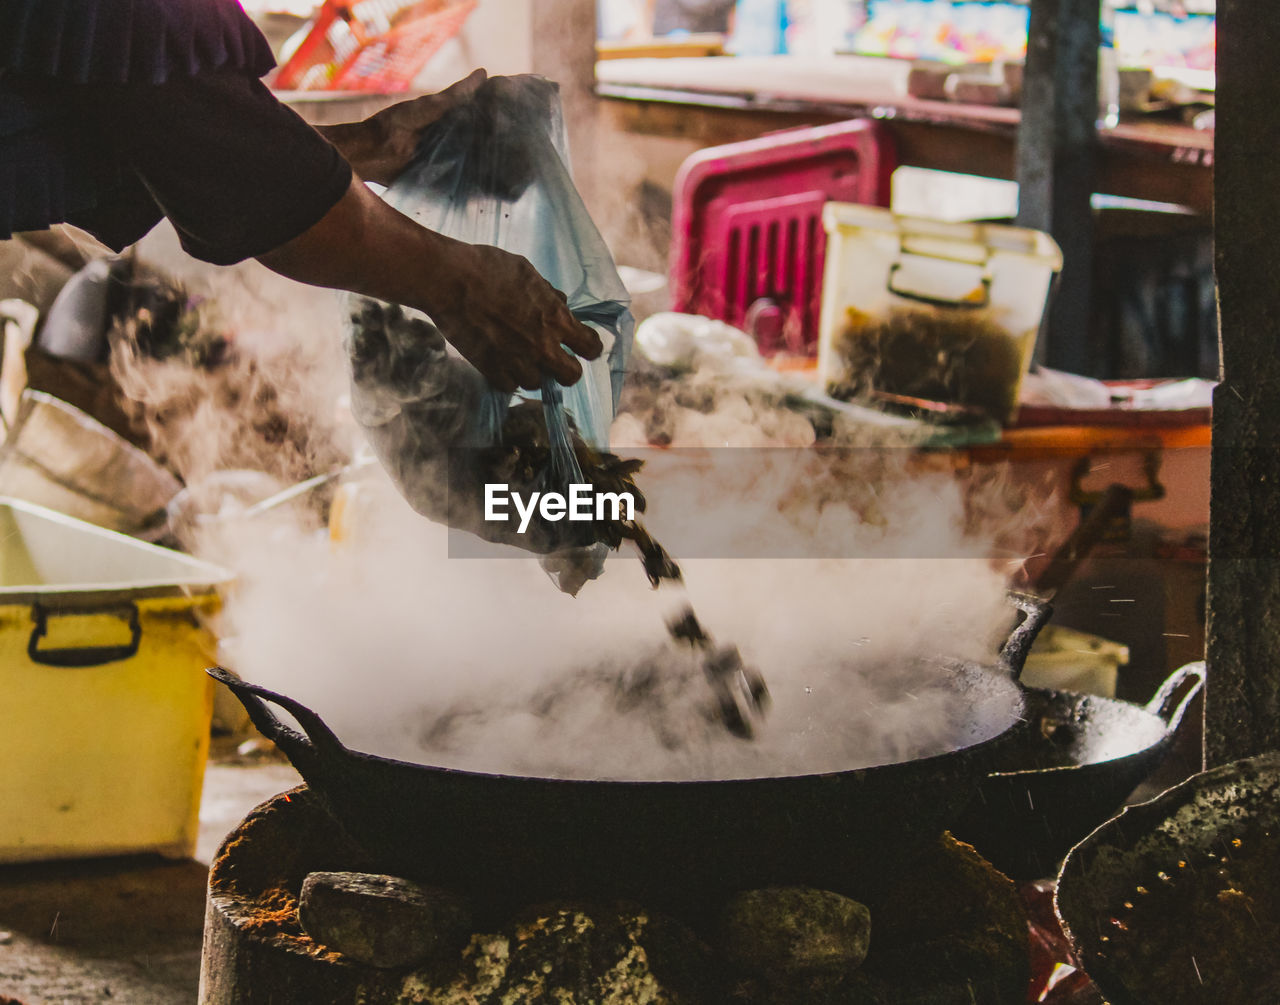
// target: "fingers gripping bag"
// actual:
[[493, 171]]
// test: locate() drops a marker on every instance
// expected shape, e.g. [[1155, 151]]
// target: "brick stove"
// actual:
[[950, 930]]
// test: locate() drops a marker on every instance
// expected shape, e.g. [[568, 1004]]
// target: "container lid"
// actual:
[[993, 237], [55, 559]]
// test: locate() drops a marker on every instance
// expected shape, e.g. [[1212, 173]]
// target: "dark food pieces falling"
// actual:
[[526, 452], [402, 362], [740, 691]]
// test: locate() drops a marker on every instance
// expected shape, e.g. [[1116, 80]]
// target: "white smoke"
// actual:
[[482, 664], [269, 402]]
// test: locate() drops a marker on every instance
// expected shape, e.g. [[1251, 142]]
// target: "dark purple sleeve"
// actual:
[[236, 172]]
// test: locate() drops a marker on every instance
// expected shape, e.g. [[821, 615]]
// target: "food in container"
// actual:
[[931, 309]]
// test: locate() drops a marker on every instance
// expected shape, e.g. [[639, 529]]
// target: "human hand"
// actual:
[[507, 321], [493, 306], [381, 146]]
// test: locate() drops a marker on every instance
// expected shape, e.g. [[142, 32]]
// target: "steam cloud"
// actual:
[[256, 384], [482, 664]]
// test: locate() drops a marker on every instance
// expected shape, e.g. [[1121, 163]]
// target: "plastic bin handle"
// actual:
[[83, 656], [969, 302]]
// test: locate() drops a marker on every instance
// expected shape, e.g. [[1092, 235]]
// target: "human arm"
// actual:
[[491, 305], [242, 176]]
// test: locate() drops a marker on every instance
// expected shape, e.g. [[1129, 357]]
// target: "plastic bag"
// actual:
[[492, 171]]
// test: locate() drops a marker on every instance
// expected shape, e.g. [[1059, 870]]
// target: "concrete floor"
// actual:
[[123, 930]]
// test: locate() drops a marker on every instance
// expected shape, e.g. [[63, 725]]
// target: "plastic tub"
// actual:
[[747, 238], [60, 457], [880, 265], [104, 728]]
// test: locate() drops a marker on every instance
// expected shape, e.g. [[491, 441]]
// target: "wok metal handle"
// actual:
[[319, 739], [1162, 703], [1036, 614]]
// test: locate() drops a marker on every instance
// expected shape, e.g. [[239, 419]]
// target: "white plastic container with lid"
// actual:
[[879, 262]]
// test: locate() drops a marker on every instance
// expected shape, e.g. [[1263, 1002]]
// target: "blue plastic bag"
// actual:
[[492, 171]]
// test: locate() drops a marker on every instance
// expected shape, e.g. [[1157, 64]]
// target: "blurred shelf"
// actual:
[[720, 100]]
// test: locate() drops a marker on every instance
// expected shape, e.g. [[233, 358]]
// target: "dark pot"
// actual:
[[678, 844], [1069, 769]]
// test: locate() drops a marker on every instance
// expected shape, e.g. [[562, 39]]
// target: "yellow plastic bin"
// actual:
[[951, 311], [105, 707]]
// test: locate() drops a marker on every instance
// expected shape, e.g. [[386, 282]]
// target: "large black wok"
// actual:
[[1177, 900], [512, 839], [1069, 770]]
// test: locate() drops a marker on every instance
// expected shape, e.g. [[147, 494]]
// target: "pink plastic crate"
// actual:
[[747, 240]]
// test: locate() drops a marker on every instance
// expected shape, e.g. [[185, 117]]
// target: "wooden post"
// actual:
[[1057, 162], [1243, 705], [564, 49]]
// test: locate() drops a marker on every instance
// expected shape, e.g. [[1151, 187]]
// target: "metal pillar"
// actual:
[[1243, 706], [1057, 162]]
